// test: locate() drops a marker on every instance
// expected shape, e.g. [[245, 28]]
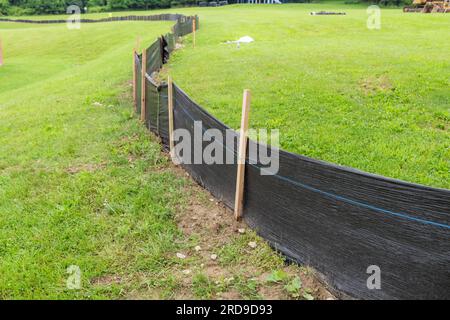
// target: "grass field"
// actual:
[[83, 183], [375, 100]]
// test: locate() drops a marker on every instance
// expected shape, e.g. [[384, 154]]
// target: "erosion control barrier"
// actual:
[[156, 17], [350, 225]]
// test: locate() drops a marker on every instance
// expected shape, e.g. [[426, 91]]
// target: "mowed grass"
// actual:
[[375, 100], [79, 181]]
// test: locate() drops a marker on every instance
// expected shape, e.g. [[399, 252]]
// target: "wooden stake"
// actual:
[[134, 80], [243, 138], [1, 53], [143, 85], [170, 110], [194, 27]]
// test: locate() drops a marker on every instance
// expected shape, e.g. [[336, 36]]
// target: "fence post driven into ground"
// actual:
[[143, 85], [136, 50], [134, 80], [243, 138], [170, 110]]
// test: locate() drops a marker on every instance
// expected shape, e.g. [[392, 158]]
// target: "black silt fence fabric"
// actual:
[[156, 94], [170, 39], [219, 179], [341, 221], [138, 71], [184, 26], [165, 51], [154, 57], [152, 105], [157, 116], [159, 17], [163, 116]]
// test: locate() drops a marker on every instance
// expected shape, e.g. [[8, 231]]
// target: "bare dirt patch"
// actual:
[[86, 167], [106, 280], [374, 85]]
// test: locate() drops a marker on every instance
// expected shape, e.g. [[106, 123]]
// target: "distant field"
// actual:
[[376, 100]]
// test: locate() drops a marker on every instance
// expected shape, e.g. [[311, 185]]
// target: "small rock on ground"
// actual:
[[252, 244], [181, 256]]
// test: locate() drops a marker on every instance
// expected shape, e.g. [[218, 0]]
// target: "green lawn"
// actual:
[[375, 100], [83, 183], [75, 183]]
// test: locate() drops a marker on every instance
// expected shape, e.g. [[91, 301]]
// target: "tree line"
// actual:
[[31, 7]]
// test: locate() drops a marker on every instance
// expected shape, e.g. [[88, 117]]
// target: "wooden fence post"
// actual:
[[134, 80], [170, 110], [243, 138], [143, 85]]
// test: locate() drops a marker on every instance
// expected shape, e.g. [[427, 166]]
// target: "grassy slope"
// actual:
[[85, 184], [376, 100], [68, 192]]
